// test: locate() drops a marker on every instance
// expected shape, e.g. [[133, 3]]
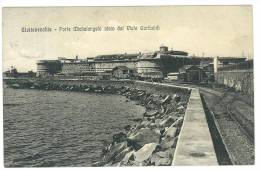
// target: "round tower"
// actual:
[[163, 49]]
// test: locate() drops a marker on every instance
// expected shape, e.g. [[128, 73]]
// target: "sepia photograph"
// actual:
[[121, 86]]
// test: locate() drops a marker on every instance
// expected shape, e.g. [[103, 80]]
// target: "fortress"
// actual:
[[154, 65]]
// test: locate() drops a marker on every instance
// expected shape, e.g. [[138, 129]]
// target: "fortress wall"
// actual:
[[108, 66], [69, 68], [148, 66]]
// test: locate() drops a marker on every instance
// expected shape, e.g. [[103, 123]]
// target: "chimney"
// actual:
[[216, 64]]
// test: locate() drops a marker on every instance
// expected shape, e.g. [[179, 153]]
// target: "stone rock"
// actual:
[[177, 98], [117, 164], [15, 85], [119, 137], [155, 97], [106, 147], [168, 143], [37, 85], [151, 105], [121, 155], [135, 129], [151, 113], [157, 131], [127, 128], [167, 122], [180, 108], [167, 153], [161, 110], [152, 119], [158, 121], [173, 114], [162, 158], [108, 87], [128, 157], [159, 161], [170, 132], [133, 97], [142, 137], [96, 164], [178, 122], [162, 130], [146, 123], [114, 150], [140, 94], [98, 91], [145, 152], [167, 99], [153, 125], [171, 107], [107, 164], [181, 104], [137, 120], [135, 163]]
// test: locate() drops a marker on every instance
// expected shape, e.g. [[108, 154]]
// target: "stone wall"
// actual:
[[240, 80], [149, 87]]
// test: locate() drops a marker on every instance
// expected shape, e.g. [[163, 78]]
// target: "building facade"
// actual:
[[154, 64], [123, 72], [192, 74], [80, 68]]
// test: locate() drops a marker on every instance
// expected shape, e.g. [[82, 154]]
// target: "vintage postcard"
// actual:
[[128, 86]]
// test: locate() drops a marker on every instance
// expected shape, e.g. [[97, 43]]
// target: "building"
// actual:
[[192, 74], [209, 71], [78, 68], [12, 72], [48, 68], [123, 72], [152, 75], [163, 61], [147, 65], [173, 76], [106, 63], [155, 64]]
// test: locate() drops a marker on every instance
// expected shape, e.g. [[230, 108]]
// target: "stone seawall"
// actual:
[[239, 80], [141, 85]]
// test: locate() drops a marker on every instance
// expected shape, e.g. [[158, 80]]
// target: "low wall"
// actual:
[[239, 80], [195, 145]]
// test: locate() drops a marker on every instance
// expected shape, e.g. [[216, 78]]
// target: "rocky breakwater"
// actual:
[[150, 140]]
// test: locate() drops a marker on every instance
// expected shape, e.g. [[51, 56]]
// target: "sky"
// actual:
[[212, 30]]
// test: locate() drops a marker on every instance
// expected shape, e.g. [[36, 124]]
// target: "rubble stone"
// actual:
[[145, 152], [142, 137], [170, 132]]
